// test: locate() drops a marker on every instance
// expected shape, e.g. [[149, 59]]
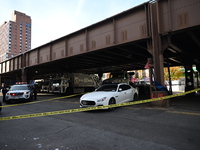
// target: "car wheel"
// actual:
[[112, 101], [135, 97]]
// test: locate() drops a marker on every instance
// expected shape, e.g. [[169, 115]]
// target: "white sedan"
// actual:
[[109, 94]]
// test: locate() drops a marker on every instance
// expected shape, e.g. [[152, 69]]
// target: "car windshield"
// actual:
[[112, 88], [21, 87]]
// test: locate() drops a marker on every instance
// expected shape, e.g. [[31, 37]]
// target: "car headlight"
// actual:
[[26, 92], [102, 99]]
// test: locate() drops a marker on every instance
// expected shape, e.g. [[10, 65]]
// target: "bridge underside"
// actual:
[[129, 56], [187, 45], [182, 49]]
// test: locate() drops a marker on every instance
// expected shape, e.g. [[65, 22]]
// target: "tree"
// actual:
[[175, 73]]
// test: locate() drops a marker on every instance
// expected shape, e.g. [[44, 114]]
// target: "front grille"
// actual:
[[88, 102], [16, 94], [20, 93]]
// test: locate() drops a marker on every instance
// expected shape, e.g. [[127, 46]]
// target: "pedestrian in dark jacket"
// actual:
[[4, 91], [35, 92]]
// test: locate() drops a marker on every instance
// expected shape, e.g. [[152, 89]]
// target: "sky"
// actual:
[[52, 19]]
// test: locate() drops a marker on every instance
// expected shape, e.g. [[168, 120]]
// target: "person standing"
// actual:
[[35, 92], [4, 91]]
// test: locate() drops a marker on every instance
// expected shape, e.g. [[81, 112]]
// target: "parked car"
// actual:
[[19, 92], [109, 94]]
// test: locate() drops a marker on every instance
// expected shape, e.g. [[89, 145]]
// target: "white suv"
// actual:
[[19, 92]]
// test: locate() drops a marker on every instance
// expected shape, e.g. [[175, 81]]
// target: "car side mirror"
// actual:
[[120, 89]]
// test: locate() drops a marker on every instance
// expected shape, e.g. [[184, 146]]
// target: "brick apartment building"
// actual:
[[15, 36]]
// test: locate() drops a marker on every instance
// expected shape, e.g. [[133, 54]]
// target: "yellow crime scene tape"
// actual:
[[94, 108]]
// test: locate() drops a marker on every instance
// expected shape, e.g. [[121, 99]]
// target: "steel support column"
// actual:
[[157, 53], [156, 50]]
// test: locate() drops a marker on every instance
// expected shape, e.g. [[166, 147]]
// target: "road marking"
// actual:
[[185, 113], [157, 108]]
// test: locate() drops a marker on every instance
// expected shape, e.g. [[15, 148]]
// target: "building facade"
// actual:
[[15, 36]]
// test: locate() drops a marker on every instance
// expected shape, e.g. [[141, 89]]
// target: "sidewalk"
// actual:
[[189, 102], [186, 102]]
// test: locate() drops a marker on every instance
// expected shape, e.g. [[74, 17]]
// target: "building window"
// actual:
[[28, 24]]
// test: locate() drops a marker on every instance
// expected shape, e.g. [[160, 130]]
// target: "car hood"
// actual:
[[18, 91], [96, 95]]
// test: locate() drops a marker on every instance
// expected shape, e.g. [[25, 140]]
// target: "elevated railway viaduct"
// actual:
[[163, 32]]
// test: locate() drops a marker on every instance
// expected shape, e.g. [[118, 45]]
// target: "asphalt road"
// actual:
[[126, 128]]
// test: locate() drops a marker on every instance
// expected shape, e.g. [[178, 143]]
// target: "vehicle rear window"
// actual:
[[108, 88], [124, 87]]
